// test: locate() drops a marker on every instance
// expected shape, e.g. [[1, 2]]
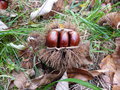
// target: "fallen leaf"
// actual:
[[57, 8], [115, 87], [81, 74], [3, 27], [97, 72], [44, 80], [112, 19], [116, 57], [44, 9], [108, 64], [111, 64], [22, 78]]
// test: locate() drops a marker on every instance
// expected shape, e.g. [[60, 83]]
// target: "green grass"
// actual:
[[83, 83]]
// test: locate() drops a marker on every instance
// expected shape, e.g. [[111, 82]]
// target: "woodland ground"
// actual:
[[102, 39]]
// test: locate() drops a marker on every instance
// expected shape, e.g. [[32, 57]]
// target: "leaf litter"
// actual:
[[109, 67]]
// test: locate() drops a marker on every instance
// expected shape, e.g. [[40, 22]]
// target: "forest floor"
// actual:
[[83, 14]]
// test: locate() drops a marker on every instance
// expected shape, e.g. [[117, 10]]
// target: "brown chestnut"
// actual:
[[3, 4], [63, 39], [74, 38], [52, 38]]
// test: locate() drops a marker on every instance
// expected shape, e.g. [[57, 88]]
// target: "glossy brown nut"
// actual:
[[74, 38], [52, 39], [3, 4], [63, 39]]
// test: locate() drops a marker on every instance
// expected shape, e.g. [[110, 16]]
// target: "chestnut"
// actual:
[[3, 4], [74, 38], [52, 38], [63, 39]]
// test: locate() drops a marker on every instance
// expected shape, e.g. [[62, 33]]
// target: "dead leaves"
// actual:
[[109, 70], [68, 58], [81, 74], [22, 78], [48, 9], [23, 81], [47, 78], [112, 19], [112, 66], [108, 65]]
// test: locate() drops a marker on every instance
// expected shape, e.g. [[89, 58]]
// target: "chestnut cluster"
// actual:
[[62, 38], [3, 4]]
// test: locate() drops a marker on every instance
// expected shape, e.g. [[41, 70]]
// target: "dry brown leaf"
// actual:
[[116, 57], [112, 66], [115, 87], [97, 72], [108, 64], [112, 19], [22, 78], [81, 74], [44, 80]]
